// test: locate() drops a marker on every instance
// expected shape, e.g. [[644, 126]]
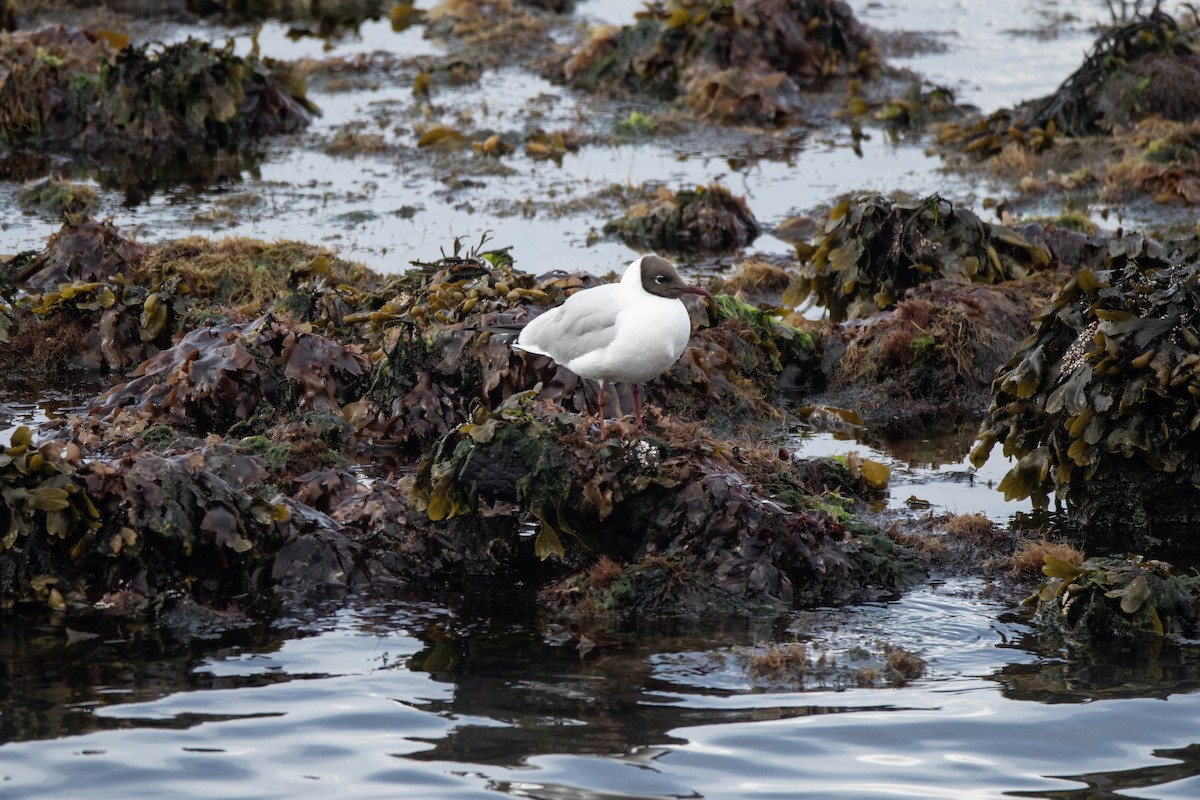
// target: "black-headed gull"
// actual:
[[625, 332]]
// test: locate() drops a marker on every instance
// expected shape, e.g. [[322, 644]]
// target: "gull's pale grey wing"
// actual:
[[585, 323]]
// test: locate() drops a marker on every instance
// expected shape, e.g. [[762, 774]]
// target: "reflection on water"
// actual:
[[388, 697]]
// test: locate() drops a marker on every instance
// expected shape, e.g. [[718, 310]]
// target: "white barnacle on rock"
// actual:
[[1073, 356], [647, 454]]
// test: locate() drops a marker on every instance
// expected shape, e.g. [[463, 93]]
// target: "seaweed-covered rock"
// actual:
[[1115, 598], [1125, 125], [680, 507], [1099, 405], [82, 90], [743, 60], [243, 375], [57, 197], [446, 331], [932, 356], [707, 219], [1148, 67], [95, 299], [128, 533], [871, 250]]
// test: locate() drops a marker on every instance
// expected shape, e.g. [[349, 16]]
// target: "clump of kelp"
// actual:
[[146, 530], [219, 467], [96, 92], [93, 298], [934, 354], [661, 523], [747, 60], [57, 197], [1106, 596], [1099, 405], [704, 219], [870, 250], [1127, 119]]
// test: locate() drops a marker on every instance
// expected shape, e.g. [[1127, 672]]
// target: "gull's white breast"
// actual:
[[616, 333]]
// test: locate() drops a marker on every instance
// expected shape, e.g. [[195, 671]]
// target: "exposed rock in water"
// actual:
[[226, 456], [707, 219], [750, 60], [1098, 406], [696, 533], [79, 90], [870, 250]]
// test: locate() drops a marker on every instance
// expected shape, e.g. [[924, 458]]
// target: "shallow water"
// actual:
[[293, 189], [385, 696], [388, 698]]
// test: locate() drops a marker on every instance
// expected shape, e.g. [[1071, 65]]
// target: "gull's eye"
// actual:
[[660, 279]]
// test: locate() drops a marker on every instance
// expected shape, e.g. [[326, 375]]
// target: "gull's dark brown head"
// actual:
[[659, 277]]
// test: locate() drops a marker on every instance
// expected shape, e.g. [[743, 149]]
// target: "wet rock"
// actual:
[[130, 533], [694, 532], [707, 219], [238, 377], [79, 90], [734, 61], [933, 355], [1111, 598], [870, 250], [1098, 406]]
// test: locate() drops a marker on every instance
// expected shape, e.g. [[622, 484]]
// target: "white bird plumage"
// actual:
[[626, 332]]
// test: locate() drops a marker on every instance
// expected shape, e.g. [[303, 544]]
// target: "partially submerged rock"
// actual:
[[706, 219], [870, 250], [128, 534], [694, 533], [1124, 124], [79, 90], [749, 60], [1107, 598], [235, 438], [1098, 406]]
